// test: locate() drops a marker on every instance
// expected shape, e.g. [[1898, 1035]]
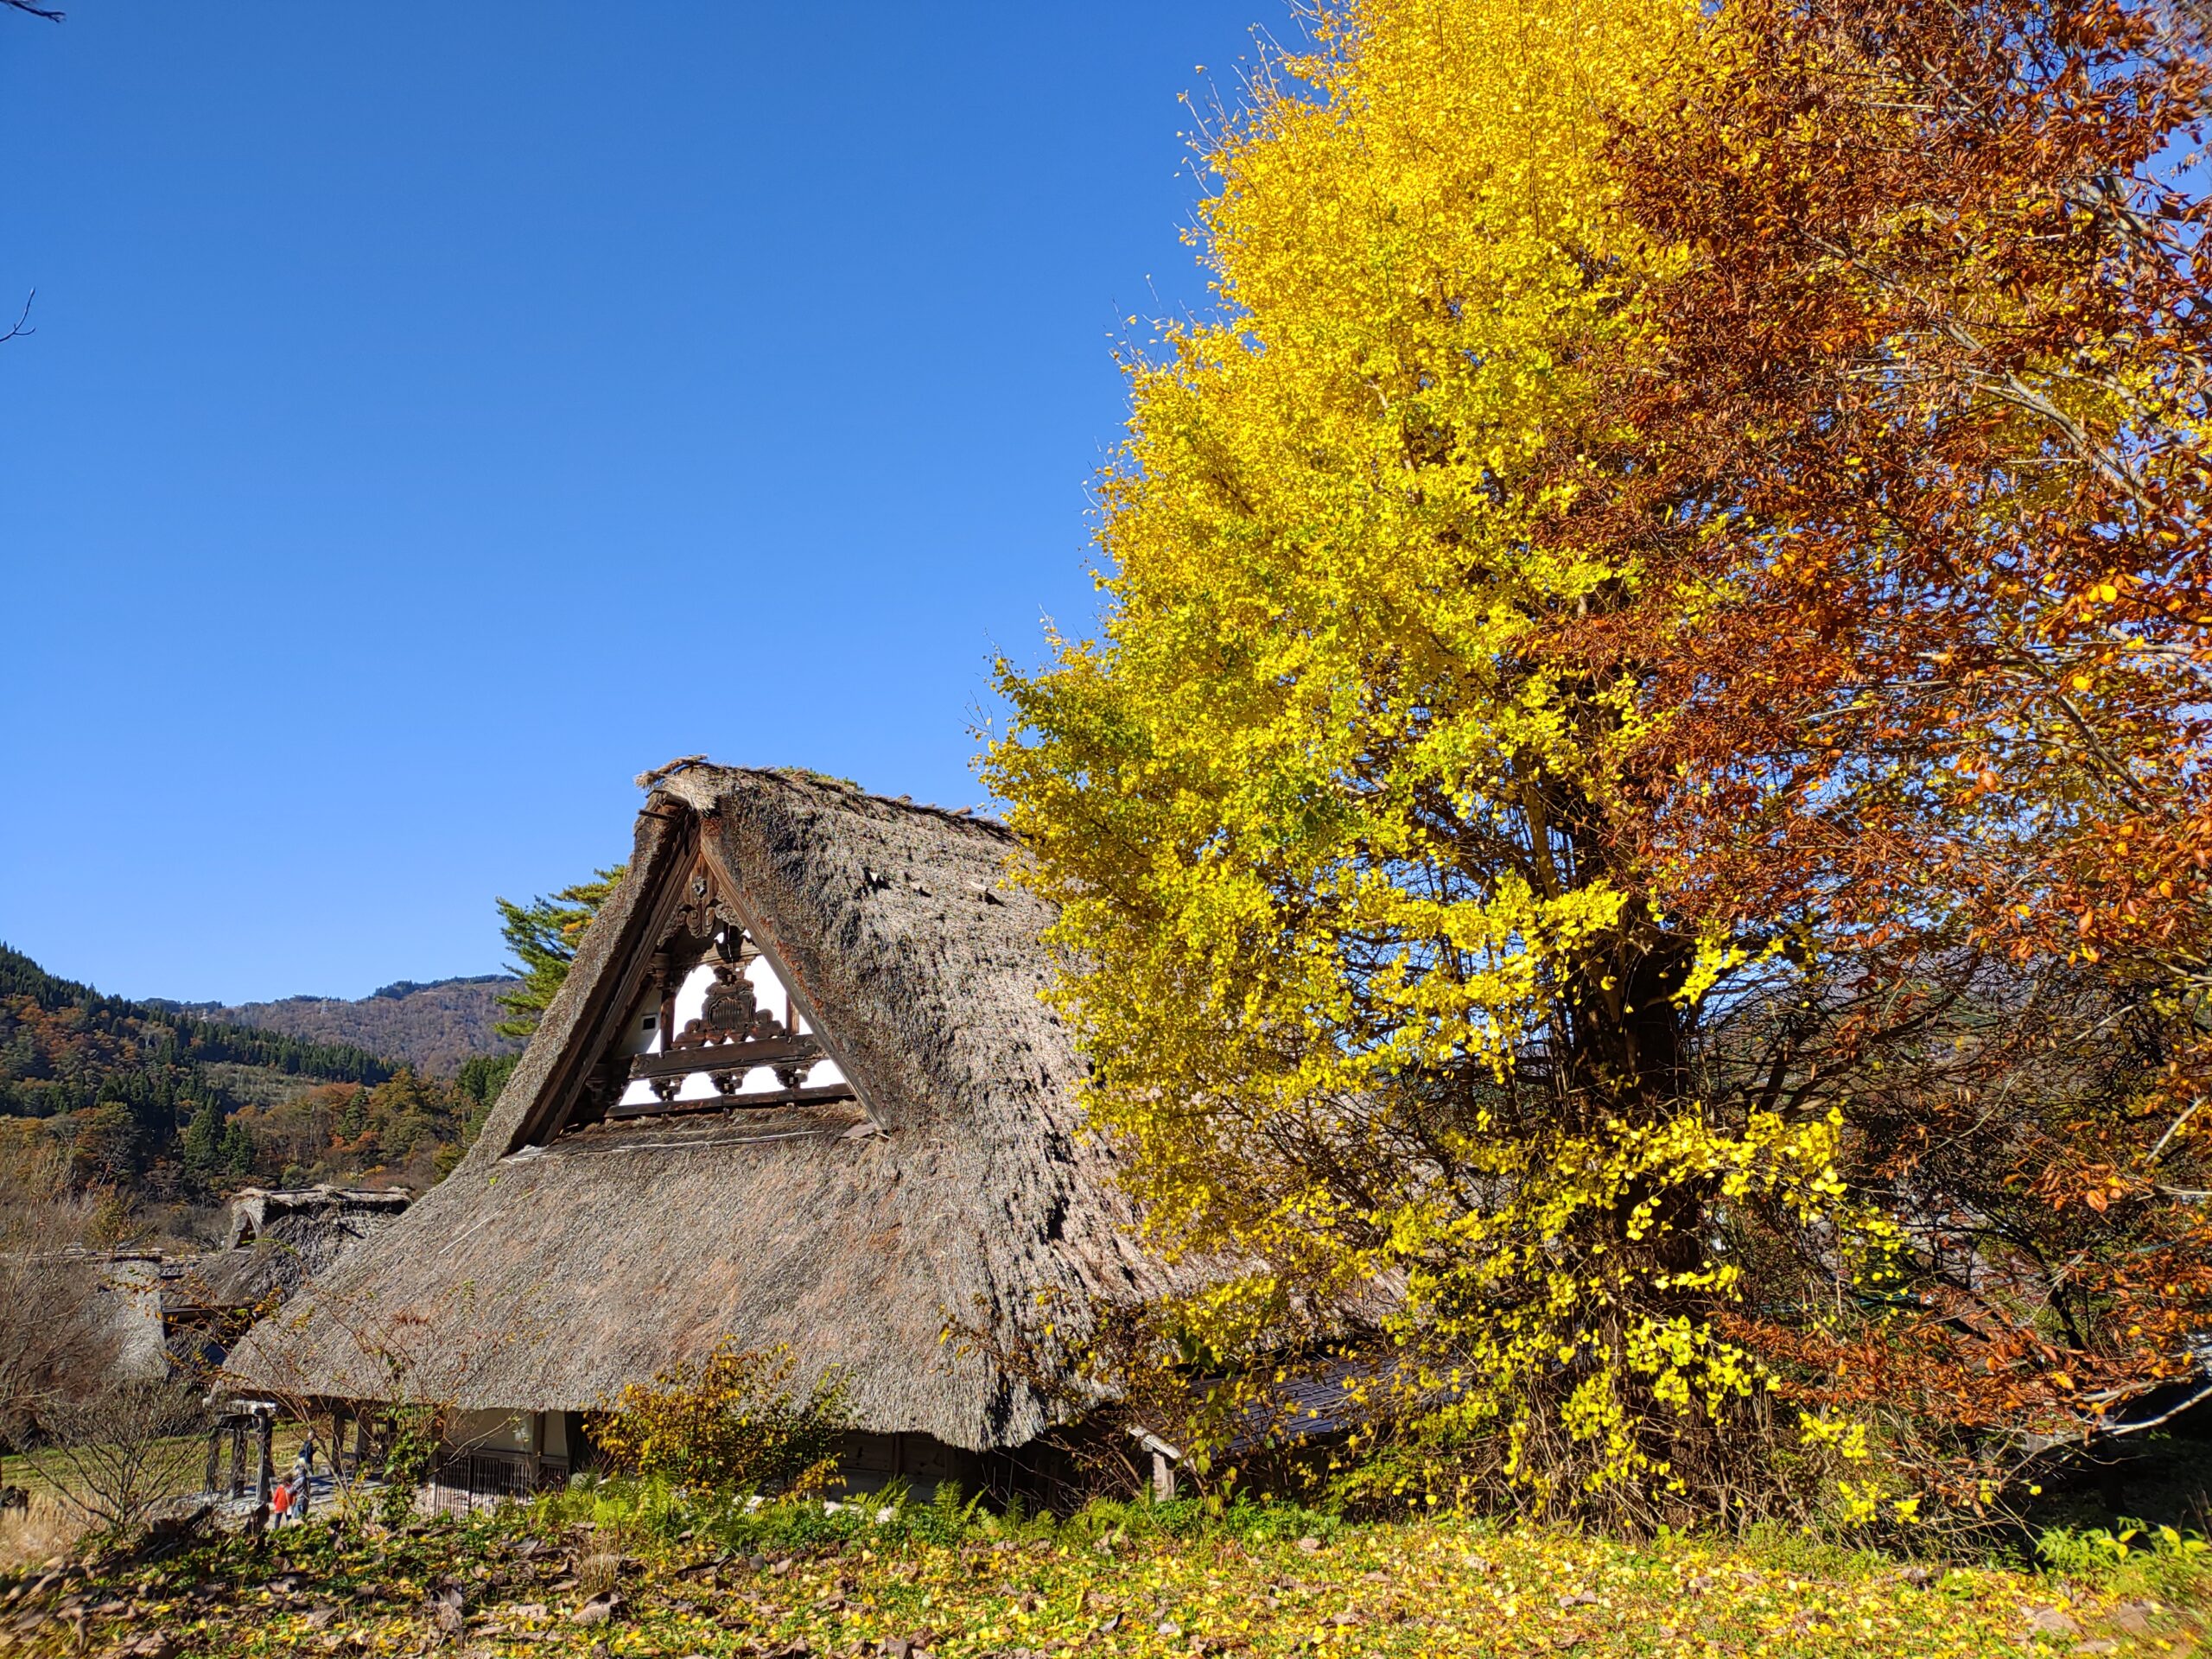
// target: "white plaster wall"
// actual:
[[690, 1001]]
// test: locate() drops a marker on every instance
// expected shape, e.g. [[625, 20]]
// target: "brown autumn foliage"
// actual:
[[1919, 481]]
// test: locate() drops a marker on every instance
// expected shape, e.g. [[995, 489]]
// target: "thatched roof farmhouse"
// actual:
[[798, 1090], [279, 1238]]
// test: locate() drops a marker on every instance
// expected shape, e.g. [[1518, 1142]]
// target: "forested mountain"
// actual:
[[433, 1028], [63, 1046], [154, 1102]]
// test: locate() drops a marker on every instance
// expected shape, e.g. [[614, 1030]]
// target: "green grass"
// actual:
[[16, 1469], [718, 1577]]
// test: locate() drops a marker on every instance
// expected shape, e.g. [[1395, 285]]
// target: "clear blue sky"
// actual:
[[436, 416]]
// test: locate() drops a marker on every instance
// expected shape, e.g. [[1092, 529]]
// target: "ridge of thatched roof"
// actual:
[[342, 1213], [566, 1257], [278, 1240]]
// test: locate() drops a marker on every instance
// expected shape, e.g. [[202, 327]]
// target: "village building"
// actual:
[[143, 1315], [799, 1091], [278, 1239]]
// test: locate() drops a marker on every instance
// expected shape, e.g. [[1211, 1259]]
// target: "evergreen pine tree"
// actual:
[[544, 935], [203, 1141], [238, 1150]]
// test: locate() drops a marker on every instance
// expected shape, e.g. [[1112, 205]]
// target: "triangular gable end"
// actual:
[[725, 1033], [713, 1022]]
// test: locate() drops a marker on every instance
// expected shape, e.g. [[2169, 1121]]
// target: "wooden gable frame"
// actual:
[[679, 877]]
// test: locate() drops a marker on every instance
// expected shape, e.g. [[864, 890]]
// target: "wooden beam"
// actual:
[[762, 1102], [663, 866], [772, 947], [725, 1057]]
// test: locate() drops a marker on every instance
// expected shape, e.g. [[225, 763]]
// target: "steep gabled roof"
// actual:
[[569, 1254], [278, 1240]]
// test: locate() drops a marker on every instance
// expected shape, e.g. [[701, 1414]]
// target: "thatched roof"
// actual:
[[323, 1219], [97, 1314], [567, 1256], [278, 1240]]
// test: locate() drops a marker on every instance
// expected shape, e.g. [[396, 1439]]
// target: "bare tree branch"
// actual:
[[25, 317], [2173, 1129], [47, 12], [2191, 1403]]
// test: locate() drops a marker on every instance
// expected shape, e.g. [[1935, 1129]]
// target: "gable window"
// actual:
[[728, 1033]]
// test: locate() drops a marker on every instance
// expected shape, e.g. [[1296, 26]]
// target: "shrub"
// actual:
[[651, 1511], [734, 1423], [116, 1454], [407, 1463], [2173, 1566]]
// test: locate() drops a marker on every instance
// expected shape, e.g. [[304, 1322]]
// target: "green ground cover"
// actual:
[[50, 1472], [625, 1575]]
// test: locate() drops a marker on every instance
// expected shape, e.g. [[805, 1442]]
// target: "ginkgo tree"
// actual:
[[1375, 1000]]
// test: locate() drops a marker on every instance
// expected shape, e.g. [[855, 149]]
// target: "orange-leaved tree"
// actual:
[[1922, 463]]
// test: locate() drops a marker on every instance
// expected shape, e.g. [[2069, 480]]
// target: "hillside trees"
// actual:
[[409, 1130], [211, 1148], [145, 1101], [1615, 643], [478, 1084], [63, 1046], [131, 1090]]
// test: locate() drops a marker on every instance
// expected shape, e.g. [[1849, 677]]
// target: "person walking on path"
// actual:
[[302, 1476]]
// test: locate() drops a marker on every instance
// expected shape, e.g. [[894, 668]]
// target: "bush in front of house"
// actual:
[[734, 1423]]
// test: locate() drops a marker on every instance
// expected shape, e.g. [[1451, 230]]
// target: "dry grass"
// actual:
[[601, 1569], [49, 1527], [16, 1469]]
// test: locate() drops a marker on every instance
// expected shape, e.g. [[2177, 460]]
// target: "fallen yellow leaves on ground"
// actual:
[[1439, 1587]]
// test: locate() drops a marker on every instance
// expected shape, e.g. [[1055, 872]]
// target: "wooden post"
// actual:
[[1164, 1459], [665, 980], [215, 1454], [238, 1456], [265, 1450]]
